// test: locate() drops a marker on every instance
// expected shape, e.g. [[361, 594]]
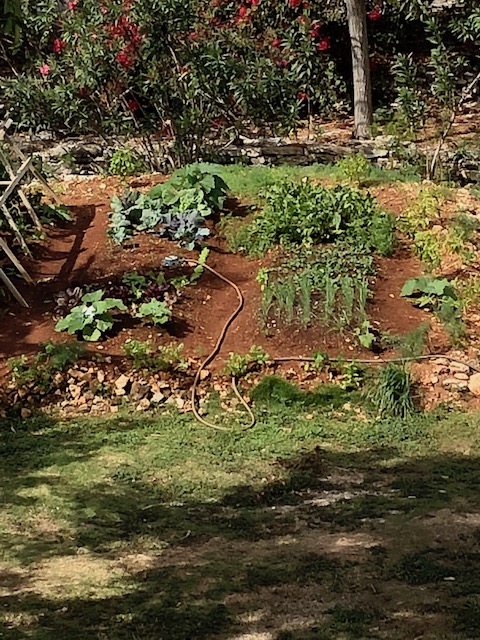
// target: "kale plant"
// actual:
[[187, 227]]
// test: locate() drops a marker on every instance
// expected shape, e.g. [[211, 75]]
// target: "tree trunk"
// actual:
[[362, 88]]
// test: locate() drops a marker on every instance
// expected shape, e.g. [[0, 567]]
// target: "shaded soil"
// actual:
[[81, 253]]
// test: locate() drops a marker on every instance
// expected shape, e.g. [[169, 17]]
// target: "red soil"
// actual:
[[81, 253]]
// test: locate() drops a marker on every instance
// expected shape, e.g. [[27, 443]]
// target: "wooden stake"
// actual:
[[13, 289], [15, 261]]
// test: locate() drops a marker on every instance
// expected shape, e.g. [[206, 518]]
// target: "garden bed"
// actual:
[[81, 253]]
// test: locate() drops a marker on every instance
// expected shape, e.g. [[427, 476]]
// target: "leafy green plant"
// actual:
[[133, 212], [125, 162], [187, 227], [91, 320], [392, 392], [365, 334], [352, 375], [155, 311], [354, 168], [440, 296], [53, 357], [239, 365], [197, 181], [164, 358], [306, 214]]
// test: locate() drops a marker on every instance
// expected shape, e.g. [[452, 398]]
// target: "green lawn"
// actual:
[[320, 522]]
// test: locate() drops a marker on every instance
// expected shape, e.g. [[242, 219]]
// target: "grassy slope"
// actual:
[[318, 523]]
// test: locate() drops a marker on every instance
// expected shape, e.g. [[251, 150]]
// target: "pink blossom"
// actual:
[[44, 70], [72, 5]]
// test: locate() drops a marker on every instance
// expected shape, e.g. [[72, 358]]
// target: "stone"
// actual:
[[158, 397], [101, 376], [122, 381], [461, 376], [474, 384], [143, 405], [459, 367], [138, 391], [455, 385], [25, 413]]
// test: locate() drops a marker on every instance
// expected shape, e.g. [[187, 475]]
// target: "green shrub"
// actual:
[[125, 162], [164, 358], [239, 365], [306, 214]]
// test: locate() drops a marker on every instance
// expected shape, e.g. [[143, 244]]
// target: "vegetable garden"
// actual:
[[331, 276]]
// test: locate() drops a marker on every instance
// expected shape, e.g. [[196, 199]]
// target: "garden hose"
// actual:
[[239, 307], [214, 353]]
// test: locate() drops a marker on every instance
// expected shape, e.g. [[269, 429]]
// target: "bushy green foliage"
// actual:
[[156, 311], [53, 357], [163, 358], [239, 365], [354, 168], [307, 214], [176, 208], [197, 180], [124, 162], [438, 295]]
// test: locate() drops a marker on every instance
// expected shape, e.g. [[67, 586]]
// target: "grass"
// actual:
[[154, 527], [249, 181]]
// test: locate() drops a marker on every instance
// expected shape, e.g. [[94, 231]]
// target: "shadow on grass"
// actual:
[[335, 524]]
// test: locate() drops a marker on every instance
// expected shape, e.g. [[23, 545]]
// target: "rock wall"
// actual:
[[87, 156]]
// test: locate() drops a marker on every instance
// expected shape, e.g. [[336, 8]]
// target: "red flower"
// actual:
[[375, 14], [124, 59], [242, 12], [133, 105], [324, 44], [316, 28], [44, 70], [59, 45], [255, 3], [193, 35], [276, 43], [302, 96], [72, 5], [295, 3]]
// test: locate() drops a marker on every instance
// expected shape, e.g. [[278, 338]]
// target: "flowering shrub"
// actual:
[[188, 67]]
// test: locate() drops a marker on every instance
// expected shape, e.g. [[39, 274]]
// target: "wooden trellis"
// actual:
[[10, 157]]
